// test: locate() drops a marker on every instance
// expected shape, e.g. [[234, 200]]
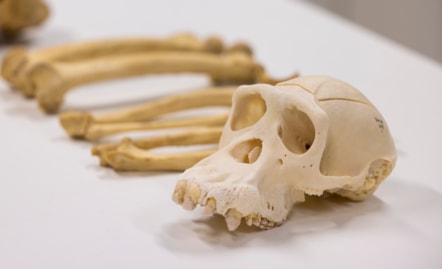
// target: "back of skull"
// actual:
[[358, 142]]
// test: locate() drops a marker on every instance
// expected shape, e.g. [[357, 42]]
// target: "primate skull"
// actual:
[[306, 136]]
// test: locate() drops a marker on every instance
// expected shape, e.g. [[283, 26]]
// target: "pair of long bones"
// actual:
[[48, 74], [132, 155], [16, 15]]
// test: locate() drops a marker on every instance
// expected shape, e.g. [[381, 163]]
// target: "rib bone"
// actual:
[[78, 124], [16, 15], [18, 62], [132, 155]]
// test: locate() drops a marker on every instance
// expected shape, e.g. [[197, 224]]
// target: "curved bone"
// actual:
[[130, 155], [18, 62], [77, 124], [16, 15], [53, 80]]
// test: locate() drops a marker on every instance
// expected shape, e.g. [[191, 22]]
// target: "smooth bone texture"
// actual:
[[131, 155], [53, 80], [18, 62], [100, 130], [307, 136], [83, 125], [15, 15]]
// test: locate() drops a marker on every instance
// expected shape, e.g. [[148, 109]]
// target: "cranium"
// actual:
[[306, 136]]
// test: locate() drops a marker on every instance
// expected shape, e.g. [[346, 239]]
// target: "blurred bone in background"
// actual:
[[416, 24]]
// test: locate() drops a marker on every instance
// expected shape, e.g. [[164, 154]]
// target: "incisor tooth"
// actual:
[[194, 192], [233, 219], [188, 203], [178, 194]]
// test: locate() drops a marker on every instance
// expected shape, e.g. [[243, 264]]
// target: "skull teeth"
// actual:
[[188, 204], [191, 197], [188, 196], [180, 190], [233, 219], [209, 207]]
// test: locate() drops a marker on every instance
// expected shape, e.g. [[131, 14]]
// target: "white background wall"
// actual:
[[416, 24]]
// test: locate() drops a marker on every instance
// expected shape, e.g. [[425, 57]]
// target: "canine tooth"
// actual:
[[209, 208], [299, 196], [233, 219]]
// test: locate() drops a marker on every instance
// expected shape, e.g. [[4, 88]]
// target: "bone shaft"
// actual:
[[100, 48], [222, 68], [216, 96], [197, 136], [100, 130], [166, 162], [193, 137], [53, 80]]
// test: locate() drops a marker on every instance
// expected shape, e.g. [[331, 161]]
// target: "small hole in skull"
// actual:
[[247, 151], [280, 161], [296, 131]]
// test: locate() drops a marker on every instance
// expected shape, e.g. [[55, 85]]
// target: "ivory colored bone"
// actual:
[[311, 135], [77, 124], [18, 62], [130, 155], [99, 130], [15, 15], [53, 80]]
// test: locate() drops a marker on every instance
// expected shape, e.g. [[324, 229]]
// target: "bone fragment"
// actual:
[[108, 153], [77, 124], [15, 15], [19, 62]]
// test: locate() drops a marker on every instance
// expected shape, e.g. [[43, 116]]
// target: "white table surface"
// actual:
[[59, 209]]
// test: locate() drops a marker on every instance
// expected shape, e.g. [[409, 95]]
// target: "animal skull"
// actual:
[[309, 135]]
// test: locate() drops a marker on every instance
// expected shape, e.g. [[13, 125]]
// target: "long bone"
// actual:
[[53, 80], [100, 130], [19, 62], [87, 126], [131, 155], [16, 15]]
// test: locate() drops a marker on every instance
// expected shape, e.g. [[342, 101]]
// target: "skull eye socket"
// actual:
[[296, 131], [247, 111]]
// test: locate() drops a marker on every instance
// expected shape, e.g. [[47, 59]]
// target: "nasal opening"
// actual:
[[247, 151]]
